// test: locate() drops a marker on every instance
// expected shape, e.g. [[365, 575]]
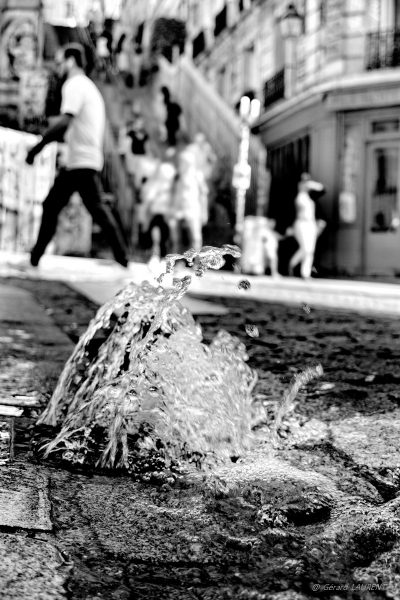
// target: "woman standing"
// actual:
[[306, 227]]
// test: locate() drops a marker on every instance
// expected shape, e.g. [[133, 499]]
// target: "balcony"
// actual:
[[383, 49], [220, 21], [274, 88]]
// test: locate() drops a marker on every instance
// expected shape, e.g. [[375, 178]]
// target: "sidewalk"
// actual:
[[32, 353], [100, 279]]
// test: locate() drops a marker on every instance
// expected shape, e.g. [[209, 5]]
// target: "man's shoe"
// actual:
[[123, 262]]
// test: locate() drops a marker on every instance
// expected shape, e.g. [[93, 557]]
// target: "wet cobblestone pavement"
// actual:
[[321, 520]]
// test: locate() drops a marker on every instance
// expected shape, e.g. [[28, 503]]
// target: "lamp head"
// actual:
[[291, 22]]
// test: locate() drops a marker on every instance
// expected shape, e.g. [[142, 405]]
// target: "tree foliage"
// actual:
[[167, 33]]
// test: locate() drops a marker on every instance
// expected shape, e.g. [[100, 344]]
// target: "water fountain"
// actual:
[[154, 395]]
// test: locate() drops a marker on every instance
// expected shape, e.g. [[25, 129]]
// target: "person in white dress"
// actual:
[[306, 227], [191, 198]]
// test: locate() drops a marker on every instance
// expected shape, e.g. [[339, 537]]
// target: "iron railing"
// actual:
[[274, 88], [383, 49]]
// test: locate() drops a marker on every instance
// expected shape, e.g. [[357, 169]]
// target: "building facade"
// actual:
[[331, 100], [330, 95]]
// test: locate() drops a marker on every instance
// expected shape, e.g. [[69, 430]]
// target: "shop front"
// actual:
[[368, 237], [302, 138], [349, 139]]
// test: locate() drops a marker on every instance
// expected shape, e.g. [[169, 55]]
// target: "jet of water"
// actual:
[[155, 374]]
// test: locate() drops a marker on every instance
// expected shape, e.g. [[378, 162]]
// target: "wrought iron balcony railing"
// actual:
[[383, 49], [274, 88]]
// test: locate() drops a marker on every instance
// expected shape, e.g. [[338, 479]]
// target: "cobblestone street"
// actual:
[[321, 520]]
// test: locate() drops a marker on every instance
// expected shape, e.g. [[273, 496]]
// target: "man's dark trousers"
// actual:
[[87, 183]]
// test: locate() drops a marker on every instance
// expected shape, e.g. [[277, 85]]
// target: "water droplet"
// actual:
[[326, 386], [306, 308], [244, 284], [252, 330]]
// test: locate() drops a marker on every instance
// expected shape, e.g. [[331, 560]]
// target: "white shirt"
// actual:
[[85, 135], [305, 208], [102, 48]]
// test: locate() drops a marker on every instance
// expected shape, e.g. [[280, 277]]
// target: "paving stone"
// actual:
[[371, 440], [10, 411], [24, 501], [30, 569], [17, 305], [25, 400]]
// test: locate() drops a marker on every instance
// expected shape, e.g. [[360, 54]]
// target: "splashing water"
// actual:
[[206, 258], [153, 385], [244, 284], [287, 404], [252, 331]]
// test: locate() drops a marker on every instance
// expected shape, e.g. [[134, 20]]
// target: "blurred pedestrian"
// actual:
[[172, 122], [191, 198], [157, 209], [270, 240], [122, 56], [103, 52], [82, 121], [307, 226], [203, 154], [139, 162]]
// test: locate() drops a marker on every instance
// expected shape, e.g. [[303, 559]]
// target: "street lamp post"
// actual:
[[249, 113]]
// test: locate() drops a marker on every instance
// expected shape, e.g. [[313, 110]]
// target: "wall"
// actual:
[[21, 37]]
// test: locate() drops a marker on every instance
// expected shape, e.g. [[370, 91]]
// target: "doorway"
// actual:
[[382, 211]]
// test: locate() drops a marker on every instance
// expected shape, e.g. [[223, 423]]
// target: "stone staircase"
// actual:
[[206, 112]]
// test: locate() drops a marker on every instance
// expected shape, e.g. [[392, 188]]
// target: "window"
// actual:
[[195, 13], [199, 44], [384, 14], [397, 14], [279, 48], [322, 12], [249, 67], [221, 81], [286, 164], [385, 209], [385, 126], [220, 21], [305, 15]]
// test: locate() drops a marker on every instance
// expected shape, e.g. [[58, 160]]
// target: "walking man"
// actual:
[[82, 120]]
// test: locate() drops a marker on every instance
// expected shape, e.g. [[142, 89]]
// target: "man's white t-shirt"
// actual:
[[85, 135]]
